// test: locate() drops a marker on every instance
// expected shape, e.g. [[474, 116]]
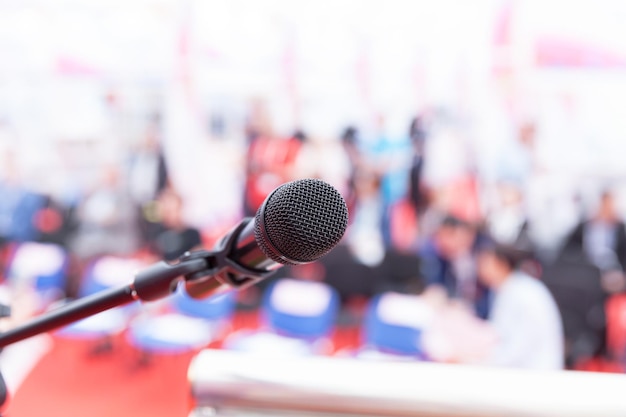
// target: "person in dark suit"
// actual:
[[448, 260], [417, 195], [602, 238], [588, 269]]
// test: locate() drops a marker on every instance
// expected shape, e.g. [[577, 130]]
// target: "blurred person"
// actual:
[[443, 166], [355, 267], [19, 205], [106, 218], [356, 162], [576, 285], [391, 156], [516, 160], [269, 163], [507, 221], [172, 236], [400, 269], [524, 315], [354, 280], [148, 173], [589, 268], [364, 236], [326, 159], [448, 260], [55, 222], [455, 334], [148, 176], [447, 154], [417, 195], [270, 158], [601, 238]]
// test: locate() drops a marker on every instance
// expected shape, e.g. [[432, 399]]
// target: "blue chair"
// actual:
[[297, 316], [40, 266], [301, 309], [393, 327], [189, 324], [108, 272]]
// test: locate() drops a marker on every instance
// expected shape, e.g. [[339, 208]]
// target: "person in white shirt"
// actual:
[[524, 315]]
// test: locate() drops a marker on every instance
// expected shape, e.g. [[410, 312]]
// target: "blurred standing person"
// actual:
[[447, 154], [269, 164], [417, 194], [269, 159], [391, 155], [524, 316], [364, 235], [448, 173], [350, 144], [326, 159], [148, 176], [508, 223], [516, 158], [508, 220]]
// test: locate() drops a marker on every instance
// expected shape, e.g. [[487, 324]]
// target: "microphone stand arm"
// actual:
[[205, 272], [163, 274], [5, 311]]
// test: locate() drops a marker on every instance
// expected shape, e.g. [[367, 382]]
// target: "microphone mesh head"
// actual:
[[301, 221]]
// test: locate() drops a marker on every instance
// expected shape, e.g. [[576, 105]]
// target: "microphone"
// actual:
[[298, 223]]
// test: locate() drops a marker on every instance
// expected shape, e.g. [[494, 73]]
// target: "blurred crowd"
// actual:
[[424, 221]]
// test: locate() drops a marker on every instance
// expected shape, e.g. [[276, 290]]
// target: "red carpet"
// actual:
[[70, 382]]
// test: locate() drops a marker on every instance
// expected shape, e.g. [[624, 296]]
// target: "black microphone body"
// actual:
[[298, 223]]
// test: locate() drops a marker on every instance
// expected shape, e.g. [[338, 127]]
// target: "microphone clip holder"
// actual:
[[204, 272]]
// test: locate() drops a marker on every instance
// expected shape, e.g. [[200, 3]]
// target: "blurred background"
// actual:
[[132, 131]]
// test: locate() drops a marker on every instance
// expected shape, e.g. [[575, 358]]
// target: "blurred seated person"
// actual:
[[455, 334], [448, 260], [602, 240], [524, 316], [55, 222], [106, 219], [172, 236], [346, 273]]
